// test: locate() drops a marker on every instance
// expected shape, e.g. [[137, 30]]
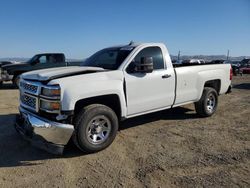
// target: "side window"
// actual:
[[42, 59], [51, 59], [56, 58], [155, 53]]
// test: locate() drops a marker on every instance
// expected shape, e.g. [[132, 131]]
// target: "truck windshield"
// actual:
[[33, 59], [109, 58]]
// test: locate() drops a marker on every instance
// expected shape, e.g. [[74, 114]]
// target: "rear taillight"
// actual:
[[231, 73]]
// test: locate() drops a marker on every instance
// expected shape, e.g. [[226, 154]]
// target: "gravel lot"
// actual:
[[172, 148]]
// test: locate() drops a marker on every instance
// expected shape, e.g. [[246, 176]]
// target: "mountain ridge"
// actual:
[[173, 57]]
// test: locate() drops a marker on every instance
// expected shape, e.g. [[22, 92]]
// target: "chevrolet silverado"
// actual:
[[87, 103]]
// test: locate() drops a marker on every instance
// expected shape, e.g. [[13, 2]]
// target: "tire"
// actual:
[[16, 80], [208, 102], [96, 127], [1, 83]]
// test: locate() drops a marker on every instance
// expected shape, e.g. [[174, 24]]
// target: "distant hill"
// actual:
[[18, 59], [173, 57], [210, 57], [23, 59]]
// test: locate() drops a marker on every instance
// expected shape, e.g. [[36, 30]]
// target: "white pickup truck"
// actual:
[[86, 103]]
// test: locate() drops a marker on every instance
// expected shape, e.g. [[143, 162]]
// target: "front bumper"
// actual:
[[43, 133]]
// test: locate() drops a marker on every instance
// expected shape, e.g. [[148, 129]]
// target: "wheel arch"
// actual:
[[215, 84], [110, 100]]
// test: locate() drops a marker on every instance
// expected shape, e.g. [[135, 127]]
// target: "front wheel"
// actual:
[[207, 105], [95, 128]]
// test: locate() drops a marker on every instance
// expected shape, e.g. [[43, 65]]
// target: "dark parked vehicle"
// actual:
[[236, 66], [217, 61], [12, 72], [245, 66], [2, 63]]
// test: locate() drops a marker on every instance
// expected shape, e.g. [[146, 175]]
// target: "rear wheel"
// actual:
[[207, 105], [95, 128]]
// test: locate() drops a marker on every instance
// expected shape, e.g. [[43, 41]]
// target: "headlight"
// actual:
[[50, 98], [50, 106], [51, 91]]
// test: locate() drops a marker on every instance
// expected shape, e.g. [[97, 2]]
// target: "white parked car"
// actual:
[[194, 61], [87, 103]]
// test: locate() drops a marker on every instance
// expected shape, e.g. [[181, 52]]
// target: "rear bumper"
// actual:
[[42, 133]]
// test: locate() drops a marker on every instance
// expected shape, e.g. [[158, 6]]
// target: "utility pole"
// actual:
[[179, 54], [227, 54]]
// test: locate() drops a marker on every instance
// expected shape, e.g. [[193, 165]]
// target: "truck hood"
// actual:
[[54, 73], [14, 66]]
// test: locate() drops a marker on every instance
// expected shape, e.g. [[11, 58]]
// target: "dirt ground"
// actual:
[[172, 148]]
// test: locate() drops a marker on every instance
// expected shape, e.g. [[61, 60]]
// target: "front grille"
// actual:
[[29, 87], [28, 101]]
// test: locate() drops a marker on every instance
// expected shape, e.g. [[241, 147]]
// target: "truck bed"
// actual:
[[190, 80]]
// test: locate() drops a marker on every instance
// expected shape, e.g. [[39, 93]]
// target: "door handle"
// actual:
[[166, 76]]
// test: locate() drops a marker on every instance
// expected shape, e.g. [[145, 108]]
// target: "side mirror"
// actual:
[[145, 65]]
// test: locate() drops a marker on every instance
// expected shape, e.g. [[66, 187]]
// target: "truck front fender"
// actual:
[[107, 93]]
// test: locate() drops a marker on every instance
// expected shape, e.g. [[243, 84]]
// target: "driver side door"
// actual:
[[149, 91]]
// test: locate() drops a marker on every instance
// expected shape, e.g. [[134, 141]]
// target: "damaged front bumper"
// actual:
[[43, 133]]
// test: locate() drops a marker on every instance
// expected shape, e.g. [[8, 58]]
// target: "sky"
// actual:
[[79, 28]]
